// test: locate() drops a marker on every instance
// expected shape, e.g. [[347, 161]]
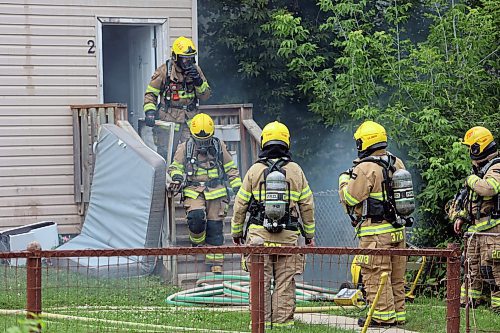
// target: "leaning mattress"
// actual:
[[126, 208]]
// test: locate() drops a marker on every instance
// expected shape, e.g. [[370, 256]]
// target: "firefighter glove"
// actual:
[[192, 72], [236, 189], [310, 242], [238, 240], [150, 118], [174, 186]]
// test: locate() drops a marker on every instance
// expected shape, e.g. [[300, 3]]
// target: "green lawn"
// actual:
[[428, 315], [121, 304]]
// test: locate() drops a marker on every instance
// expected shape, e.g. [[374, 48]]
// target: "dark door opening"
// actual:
[[129, 60]]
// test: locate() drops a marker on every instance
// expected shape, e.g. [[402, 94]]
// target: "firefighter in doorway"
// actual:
[[179, 84], [276, 222], [478, 204], [201, 167], [364, 193]]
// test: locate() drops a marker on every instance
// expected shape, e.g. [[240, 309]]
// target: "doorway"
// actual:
[[129, 58]]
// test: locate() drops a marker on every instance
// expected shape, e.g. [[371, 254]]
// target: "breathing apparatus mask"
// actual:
[[185, 61], [203, 146]]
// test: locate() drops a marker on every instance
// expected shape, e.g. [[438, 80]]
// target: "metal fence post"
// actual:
[[453, 290], [466, 284], [257, 293], [34, 282]]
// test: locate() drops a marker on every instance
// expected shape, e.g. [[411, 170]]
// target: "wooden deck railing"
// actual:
[[247, 143], [234, 123], [86, 122]]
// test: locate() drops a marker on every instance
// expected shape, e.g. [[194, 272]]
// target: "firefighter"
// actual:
[[482, 211], [277, 223], [363, 192], [200, 169], [179, 84]]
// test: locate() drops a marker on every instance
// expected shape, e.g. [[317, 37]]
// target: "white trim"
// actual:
[[99, 58], [131, 20], [194, 24], [161, 48]]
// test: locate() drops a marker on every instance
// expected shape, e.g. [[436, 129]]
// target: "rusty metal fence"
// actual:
[[67, 294]]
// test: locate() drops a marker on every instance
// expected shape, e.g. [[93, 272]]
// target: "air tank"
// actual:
[[276, 201], [402, 186]]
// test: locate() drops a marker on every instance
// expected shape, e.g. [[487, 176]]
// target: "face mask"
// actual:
[[203, 146], [185, 62]]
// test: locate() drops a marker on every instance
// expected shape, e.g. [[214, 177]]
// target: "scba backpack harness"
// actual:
[[273, 213], [397, 201], [192, 164]]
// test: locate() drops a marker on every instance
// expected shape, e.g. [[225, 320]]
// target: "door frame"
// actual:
[[161, 28]]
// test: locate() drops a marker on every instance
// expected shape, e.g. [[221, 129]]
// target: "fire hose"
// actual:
[[235, 290]]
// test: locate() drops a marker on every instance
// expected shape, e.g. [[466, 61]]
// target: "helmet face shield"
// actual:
[[359, 144], [476, 154], [475, 149], [185, 62]]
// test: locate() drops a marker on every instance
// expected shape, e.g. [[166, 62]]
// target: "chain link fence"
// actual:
[[332, 223], [80, 291], [332, 229]]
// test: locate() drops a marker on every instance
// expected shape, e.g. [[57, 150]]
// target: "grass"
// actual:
[[142, 300], [428, 315], [132, 300]]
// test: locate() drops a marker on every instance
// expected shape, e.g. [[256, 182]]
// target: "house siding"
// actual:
[[44, 68]]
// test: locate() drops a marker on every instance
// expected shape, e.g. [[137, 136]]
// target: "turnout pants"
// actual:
[[161, 135], [473, 257], [279, 288], [206, 224], [483, 254], [161, 139], [391, 304]]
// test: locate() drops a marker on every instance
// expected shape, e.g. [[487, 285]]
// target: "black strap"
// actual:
[[274, 165], [387, 162], [193, 163], [485, 168], [256, 207]]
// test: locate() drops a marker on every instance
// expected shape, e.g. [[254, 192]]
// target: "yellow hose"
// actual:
[[383, 280], [409, 294]]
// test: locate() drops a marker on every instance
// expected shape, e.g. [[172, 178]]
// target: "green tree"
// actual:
[[241, 62], [426, 93]]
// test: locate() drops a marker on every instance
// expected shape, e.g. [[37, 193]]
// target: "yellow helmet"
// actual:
[[480, 142], [202, 126], [183, 52], [370, 135], [275, 133]]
